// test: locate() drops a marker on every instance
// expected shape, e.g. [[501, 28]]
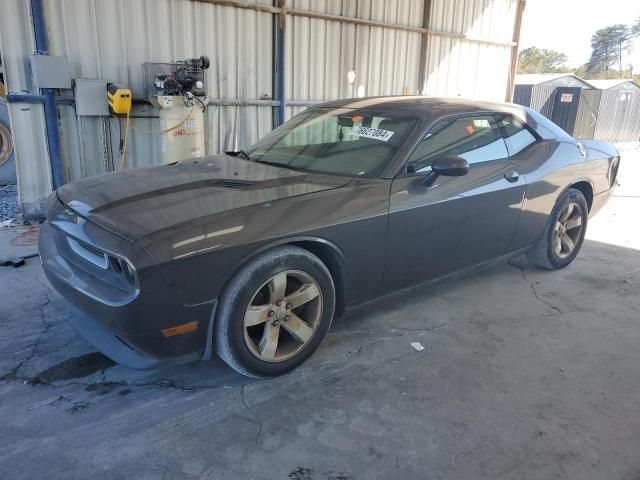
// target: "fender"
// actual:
[[576, 181], [338, 271]]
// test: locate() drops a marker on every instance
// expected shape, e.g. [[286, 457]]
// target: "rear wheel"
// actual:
[[565, 232], [275, 312]]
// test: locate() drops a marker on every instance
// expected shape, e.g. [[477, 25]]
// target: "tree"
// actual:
[[635, 29], [607, 46], [541, 60]]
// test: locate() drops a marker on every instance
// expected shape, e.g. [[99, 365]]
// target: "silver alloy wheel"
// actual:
[[283, 316], [6, 144], [567, 230]]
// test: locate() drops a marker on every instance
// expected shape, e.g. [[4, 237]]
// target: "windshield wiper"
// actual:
[[238, 153], [244, 154], [283, 165]]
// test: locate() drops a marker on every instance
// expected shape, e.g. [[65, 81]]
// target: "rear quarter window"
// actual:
[[516, 134]]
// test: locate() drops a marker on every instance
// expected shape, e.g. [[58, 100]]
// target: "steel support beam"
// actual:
[[49, 96], [424, 45], [355, 21], [517, 26], [280, 61], [35, 99]]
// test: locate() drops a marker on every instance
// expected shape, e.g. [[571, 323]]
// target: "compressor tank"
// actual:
[[182, 126]]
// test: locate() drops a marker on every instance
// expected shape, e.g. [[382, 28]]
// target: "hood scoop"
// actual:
[[227, 183]]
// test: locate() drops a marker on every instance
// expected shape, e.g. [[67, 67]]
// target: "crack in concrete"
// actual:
[[257, 420], [12, 374], [167, 384], [534, 290], [420, 330], [162, 384], [399, 333]]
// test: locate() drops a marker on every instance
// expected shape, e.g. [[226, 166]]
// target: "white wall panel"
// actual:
[[27, 121], [459, 67]]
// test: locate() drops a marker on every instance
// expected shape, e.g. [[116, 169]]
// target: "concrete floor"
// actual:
[[526, 374]]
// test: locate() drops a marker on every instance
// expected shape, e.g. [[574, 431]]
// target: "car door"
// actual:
[[455, 222], [533, 158]]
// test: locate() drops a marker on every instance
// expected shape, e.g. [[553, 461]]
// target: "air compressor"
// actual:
[[178, 90]]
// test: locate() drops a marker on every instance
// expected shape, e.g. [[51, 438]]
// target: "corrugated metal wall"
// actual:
[[587, 113], [321, 53], [457, 67], [27, 121], [118, 36], [542, 97], [111, 39], [619, 115], [522, 94], [612, 115]]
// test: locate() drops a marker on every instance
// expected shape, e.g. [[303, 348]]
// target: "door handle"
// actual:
[[512, 176]]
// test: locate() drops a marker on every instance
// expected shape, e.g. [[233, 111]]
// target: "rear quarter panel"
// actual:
[[550, 167]]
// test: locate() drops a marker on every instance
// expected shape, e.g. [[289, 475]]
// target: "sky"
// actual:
[[567, 26]]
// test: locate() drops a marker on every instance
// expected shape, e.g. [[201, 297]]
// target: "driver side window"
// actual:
[[474, 138]]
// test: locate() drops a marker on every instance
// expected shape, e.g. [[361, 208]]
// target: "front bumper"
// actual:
[[126, 324], [131, 353]]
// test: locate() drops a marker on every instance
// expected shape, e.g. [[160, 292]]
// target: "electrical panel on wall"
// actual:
[[91, 98], [48, 71]]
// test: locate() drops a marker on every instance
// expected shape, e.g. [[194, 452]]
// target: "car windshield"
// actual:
[[344, 141]]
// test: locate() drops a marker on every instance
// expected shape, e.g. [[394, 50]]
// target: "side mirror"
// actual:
[[447, 166], [450, 166]]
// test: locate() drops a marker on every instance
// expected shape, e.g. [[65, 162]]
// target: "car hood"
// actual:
[[142, 201]]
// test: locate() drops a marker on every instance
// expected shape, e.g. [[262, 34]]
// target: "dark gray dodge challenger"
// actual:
[[251, 254]]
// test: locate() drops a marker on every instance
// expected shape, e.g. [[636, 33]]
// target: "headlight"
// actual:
[[114, 266]]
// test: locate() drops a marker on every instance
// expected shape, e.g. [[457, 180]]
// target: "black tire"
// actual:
[[8, 166], [229, 327], [544, 254]]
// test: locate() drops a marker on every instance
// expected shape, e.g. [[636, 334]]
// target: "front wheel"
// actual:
[[564, 235], [275, 312]]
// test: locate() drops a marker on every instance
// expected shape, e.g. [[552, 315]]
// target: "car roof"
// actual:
[[430, 109], [418, 103]]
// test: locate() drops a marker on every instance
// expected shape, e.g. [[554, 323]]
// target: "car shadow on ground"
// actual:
[[416, 310]]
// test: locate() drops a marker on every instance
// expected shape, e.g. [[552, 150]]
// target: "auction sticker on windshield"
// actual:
[[375, 133]]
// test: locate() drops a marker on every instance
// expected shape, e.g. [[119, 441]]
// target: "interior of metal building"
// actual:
[[269, 60]]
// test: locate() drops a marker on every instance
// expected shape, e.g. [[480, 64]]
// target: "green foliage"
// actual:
[[541, 60], [612, 74], [607, 46]]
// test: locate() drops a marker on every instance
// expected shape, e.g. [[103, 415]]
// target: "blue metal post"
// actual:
[[280, 74], [25, 98], [53, 137], [50, 110], [39, 27], [35, 99]]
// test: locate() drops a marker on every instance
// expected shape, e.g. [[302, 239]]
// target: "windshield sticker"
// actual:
[[374, 133]]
